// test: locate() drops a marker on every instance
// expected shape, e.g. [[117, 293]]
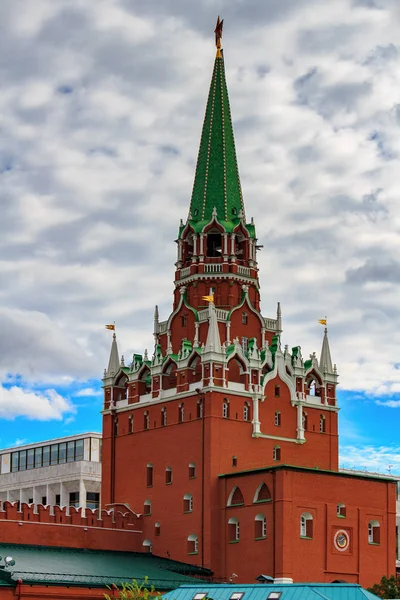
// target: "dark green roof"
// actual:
[[217, 182], [308, 469], [90, 568]]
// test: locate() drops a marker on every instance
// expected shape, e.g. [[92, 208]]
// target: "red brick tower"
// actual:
[[219, 394]]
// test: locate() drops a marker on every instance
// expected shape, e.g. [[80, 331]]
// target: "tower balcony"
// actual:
[[217, 267]]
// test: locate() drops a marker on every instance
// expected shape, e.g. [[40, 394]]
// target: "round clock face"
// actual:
[[341, 540]]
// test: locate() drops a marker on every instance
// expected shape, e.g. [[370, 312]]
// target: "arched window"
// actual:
[[187, 503], [214, 243], [233, 530], [260, 527], [146, 420], [262, 494], [192, 470], [374, 532], [200, 409], [277, 419], [322, 424], [225, 409], [311, 389], [235, 497], [277, 391], [244, 318], [149, 475], [163, 416], [306, 525], [147, 507], [131, 424], [157, 528], [168, 475], [127, 391], [276, 453], [246, 412], [181, 413], [193, 544], [341, 510], [147, 545], [305, 421]]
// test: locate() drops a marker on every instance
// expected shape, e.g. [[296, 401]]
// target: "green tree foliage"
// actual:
[[133, 590], [389, 587]]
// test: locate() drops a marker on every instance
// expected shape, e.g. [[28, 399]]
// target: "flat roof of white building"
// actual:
[[68, 438]]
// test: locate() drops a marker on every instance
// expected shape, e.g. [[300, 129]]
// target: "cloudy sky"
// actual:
[[101, 107]]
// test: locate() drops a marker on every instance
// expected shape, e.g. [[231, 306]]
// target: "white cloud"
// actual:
[[378, 459], [103, 107], [88, 392], [42, 406]]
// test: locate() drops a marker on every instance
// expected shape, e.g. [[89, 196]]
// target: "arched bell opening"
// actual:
[[195, 370], [169, 376], [237, 371]]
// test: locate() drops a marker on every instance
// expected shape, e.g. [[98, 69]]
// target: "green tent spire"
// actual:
[[217, 182]]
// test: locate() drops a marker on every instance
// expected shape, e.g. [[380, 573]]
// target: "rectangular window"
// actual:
[[236, 596], [70, 451], [30, 500], [44, 500], [277, 453], [79, 450], [46, 456], [62, 453], [92, 500], [277, 391], [22, 460], [234, 461], [244, 344], [31, 459], [74, 499], [58, 499], [168, 476], [200, 596], [149, 475], [14, 461], [54, 454], [38, 457]]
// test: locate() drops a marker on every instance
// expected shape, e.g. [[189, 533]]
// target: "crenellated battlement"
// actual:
[[116, 517]]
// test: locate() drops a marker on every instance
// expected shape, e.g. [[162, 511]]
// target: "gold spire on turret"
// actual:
[[218, 36]]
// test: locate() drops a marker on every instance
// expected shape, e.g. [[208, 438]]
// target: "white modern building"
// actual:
[[64, 471]]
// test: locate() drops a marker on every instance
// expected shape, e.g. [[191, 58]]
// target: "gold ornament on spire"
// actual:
[[218, 36]]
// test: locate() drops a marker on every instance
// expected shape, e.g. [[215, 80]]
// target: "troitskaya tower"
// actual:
[[219, 393]]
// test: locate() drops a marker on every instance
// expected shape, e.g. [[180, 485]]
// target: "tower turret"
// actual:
[[113, 363], [325, 362]]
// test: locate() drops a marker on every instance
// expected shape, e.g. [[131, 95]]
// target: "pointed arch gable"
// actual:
[[246, 301], [263, 493], [241, 226], [314, 373], [194, 357], [280, 370], [213, 223], [186, 230], [169, 364], [143, 372], [121, 378], [235, 497], [242, 360]]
